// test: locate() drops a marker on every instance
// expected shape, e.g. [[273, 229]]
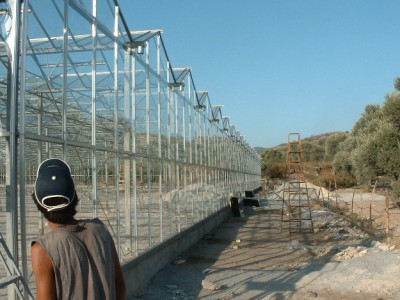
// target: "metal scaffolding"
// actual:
[[150, 154]]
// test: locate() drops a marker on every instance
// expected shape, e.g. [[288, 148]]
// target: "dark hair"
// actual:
[[63, 216]]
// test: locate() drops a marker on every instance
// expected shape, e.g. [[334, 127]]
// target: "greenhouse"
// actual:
[[150, 154]]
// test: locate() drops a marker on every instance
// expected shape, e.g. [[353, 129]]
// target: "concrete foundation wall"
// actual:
[[139, 271]]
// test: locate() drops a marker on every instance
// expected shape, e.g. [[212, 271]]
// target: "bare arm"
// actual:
[[119, 279], [44, 273]]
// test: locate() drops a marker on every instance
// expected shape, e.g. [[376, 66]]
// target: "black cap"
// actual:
[[54, 187]]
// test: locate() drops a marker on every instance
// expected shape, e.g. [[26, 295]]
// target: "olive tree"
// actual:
[[342, 159], [391, 109], [332, 144], [270, 158], [388, 155]]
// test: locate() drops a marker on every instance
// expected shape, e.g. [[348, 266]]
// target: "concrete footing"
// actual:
[[139, 271]]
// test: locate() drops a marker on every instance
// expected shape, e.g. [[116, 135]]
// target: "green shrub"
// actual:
[[276, 171], [396, 189]]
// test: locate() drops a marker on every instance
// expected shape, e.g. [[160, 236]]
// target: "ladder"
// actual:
[[14, 276], [296, 207], [294, 156]]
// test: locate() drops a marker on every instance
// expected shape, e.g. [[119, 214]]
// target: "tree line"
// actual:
[[370, 152]]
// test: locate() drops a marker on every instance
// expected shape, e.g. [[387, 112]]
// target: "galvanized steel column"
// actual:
[[116, 133], [177, 162], [65, 78], [149, 196], [94, 108], [160, 159], [22, 141], [184, 161], [12, 45], [169, 146], [134, 167], [127, 147]]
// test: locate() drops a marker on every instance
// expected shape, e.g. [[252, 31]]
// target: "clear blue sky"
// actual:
[[281, 66]]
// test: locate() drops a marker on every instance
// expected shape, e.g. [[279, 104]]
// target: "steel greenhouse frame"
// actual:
[[149, 152]]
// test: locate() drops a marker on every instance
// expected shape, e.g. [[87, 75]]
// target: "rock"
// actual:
[[179, 262], [293, 245], [382, 246], [351, 252], [311, 294], [207, 285]]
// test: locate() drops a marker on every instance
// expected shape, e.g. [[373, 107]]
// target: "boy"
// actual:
[[77, 259]]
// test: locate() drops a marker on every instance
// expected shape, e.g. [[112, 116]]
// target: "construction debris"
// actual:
[[207, 285]]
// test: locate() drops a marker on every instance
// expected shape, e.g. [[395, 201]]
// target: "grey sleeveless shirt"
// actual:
[[83, 260]]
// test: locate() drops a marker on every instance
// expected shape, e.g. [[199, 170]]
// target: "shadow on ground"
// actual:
[[248, 257]]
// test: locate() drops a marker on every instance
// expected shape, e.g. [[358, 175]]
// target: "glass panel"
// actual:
[[143, 153]]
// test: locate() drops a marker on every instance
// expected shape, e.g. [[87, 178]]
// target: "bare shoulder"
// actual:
[[37, 249], [43, 270], [40, 258]]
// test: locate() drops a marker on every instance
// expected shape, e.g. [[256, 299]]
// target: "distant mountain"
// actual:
[[322, 135], [310, 138], [259, 150]]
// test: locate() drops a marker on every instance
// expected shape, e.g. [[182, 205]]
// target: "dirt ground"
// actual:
[[255, 256]]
